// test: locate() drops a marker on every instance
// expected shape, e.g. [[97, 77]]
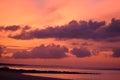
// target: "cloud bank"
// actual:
[[53, 51], [116, 53], [81, 52], [13, 28], [10, 28], [42, 51], [1, 50], [81, 30]]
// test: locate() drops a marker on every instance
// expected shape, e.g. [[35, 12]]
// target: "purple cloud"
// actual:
[[1, 28], [71, 30], [81, 52], [13, 28], [1, 50], [10, 28], [116, 53], [81, 30], [42, 51], [26, 27]]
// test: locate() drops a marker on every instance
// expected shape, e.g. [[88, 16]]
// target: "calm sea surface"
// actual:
[[105, 74]]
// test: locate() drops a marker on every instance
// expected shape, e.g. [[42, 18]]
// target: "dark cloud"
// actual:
[[116, 52], [96, 52], [83, 30], [73, 29], [22, 54], [26, 28], [81, 52], [75, 43], [9, 28], [13, 28], [115, 39], [50, 51], [1, 28], [86, 44], [109, 31], [1, 50]]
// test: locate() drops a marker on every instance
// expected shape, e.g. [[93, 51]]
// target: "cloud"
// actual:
[[1, 50], [81, 30], [71, 30], [116, 53], [42, 51], [22, 54], [109, 31], [81, 52], [13, 28], [86, 44], [1, 28], [26, 27], [10, 28]]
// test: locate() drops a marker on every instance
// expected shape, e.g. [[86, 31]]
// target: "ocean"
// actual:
[[104, 74]]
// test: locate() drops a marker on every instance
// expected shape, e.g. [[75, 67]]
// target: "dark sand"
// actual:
[[4, 75]]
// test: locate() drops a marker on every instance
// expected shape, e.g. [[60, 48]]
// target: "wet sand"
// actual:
[[4, 75]]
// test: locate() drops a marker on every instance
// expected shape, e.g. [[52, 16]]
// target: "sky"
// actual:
[[70, 33]]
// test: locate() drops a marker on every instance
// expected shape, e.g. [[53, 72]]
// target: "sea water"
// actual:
[[104, 74]]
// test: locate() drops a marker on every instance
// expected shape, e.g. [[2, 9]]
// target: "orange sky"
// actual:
[[43, 13]]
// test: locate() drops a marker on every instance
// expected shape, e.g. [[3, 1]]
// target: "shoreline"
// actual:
[[5, 75], [38, 71]]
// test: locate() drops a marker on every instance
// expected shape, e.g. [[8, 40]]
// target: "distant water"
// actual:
[[105, 74]]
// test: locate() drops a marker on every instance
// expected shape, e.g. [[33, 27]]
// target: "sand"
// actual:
[[4, 75]]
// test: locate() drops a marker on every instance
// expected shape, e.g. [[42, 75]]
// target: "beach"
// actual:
[[4, 75]]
